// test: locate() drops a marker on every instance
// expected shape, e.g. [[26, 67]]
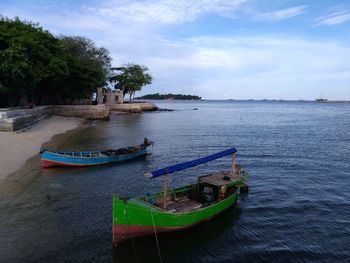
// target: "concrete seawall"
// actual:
[[95, 112], [14, 119], [17, 119], [134, 107]]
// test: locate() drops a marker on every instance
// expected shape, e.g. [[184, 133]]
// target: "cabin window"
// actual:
[[208, 193]]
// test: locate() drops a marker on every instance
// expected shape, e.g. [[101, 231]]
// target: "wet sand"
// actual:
[[16, 149]]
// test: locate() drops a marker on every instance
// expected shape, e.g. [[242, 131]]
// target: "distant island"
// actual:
[[169, 96]]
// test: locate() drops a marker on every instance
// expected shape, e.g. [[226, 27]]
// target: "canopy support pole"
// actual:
[[165, 191], [233, 165]]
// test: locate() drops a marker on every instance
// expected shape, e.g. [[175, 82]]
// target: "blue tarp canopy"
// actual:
[[185, 165]]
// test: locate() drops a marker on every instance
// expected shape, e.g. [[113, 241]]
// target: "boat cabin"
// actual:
[[215, 187], [209, 189]]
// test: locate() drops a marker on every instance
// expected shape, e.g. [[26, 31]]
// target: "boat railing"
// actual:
[[148, 204], [80, 154]]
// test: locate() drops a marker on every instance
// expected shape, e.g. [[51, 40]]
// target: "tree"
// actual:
[[14, 68], [32, 62], [131, 78], [37, 67], [89, 66]]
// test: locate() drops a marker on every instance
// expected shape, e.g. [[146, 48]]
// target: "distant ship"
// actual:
[[321, 100]]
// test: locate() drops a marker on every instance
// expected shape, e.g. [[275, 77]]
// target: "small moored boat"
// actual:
[[321, 100], [90, 158], [179, 208]]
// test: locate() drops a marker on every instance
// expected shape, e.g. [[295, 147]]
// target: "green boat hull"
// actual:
[[136, 217]]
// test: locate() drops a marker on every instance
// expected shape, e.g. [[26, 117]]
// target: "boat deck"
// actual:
[[183, 205], [220, 178]]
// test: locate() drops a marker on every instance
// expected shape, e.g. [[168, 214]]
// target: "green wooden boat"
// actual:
[[179, 208]]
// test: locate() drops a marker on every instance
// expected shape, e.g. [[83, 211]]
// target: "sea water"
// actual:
[[297, 155]]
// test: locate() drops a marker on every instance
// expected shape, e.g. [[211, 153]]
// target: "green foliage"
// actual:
[[89, 66], [44, 69], [131, 78], [14, 71], [170, 96]]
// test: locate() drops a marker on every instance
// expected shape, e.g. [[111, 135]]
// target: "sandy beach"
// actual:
[[15, 149]]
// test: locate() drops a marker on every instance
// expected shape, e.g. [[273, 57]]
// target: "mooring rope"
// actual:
[[155, 233], [132, 236]]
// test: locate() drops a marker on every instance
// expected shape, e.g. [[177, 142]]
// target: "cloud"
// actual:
[[334, 18], [165, 12], [282, 14], [247, 66]]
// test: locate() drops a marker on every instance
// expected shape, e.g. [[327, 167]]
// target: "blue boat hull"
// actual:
[[50, 159]]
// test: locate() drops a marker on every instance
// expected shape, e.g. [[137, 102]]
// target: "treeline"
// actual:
[[168, 96], [37, 67]]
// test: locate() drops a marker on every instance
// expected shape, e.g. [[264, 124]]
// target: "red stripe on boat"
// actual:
[[125, 232], [47, 163]]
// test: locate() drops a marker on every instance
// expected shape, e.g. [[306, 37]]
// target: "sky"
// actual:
[[216, 49]]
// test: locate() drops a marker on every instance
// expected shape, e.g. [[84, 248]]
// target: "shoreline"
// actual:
[[18, 148]]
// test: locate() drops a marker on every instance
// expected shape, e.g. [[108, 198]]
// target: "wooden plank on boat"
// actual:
[[219, 179], [184, 205]]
